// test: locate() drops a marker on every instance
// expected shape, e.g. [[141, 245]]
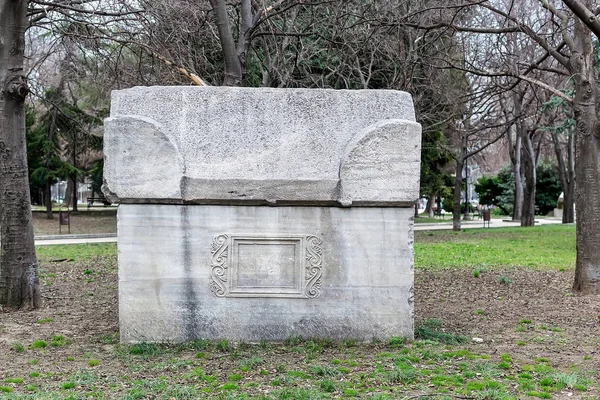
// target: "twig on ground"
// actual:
[[57, 298], [424, 396]]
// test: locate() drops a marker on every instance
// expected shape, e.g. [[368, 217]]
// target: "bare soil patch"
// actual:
[[84, 222], [536, 315]]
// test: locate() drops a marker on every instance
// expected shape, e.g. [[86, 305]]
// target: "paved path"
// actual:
[[112, 237], [75, 239], [495, 223]]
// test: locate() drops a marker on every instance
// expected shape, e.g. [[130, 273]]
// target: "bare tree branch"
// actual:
[[55, 6], [547, 87], [585, 15]]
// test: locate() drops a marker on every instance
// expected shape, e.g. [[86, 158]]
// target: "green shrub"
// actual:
[[223, 346], [327, 386], [18, 347], [430, 330], [93, 362], [39, 344]]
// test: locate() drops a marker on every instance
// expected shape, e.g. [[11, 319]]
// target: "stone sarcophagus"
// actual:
[[263, 214]]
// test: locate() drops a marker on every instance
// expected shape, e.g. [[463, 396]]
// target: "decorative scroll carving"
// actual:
[[218, 284], [266, 266], [314, 258]]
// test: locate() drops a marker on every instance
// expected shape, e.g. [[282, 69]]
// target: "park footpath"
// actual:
[[112, 237], [494, 223], [76, 239]]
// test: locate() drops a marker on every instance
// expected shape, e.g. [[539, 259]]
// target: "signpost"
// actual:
[[487, 217], [64, 218]]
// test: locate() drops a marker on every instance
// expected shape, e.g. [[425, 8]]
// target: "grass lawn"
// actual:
[[549, 246], [538, 339], [294, 370], [423, 219], [74, 252]]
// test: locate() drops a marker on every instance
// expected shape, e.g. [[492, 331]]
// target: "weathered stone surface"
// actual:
[[141, 156], [200, 256], [218, 145], [313, 271], [379, 163]]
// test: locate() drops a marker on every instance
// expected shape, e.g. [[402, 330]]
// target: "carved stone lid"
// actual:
[[224, 145]]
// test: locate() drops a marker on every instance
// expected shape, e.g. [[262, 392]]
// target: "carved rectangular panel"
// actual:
[[266, 266]]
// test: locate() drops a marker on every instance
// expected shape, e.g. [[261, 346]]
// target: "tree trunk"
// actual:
[[569, 194], [74, 179], [48, 199], [233, 66], [467, 216], [528, 213], [74, 193], [68, 193], [243, 42], [516, 131], [587, 148], [19, 285], [456, 226], [518, 199], [566, 173], [429, 206], [568, 216]]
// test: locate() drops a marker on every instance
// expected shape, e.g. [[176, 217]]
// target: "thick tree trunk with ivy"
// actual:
[[19, 285], [587, 167]]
